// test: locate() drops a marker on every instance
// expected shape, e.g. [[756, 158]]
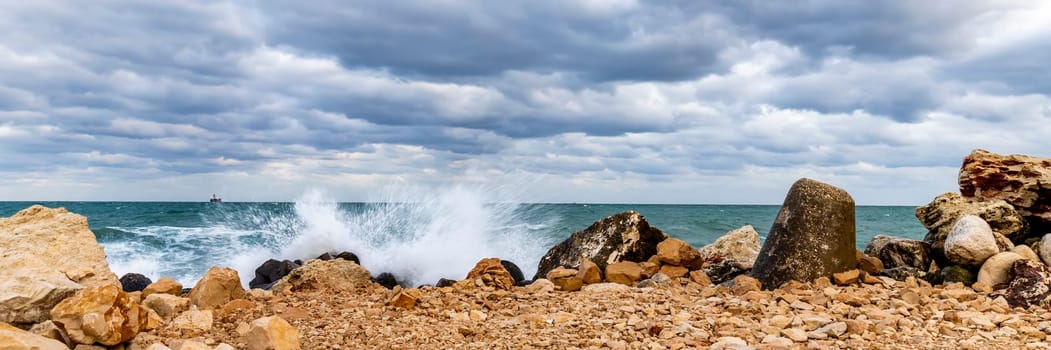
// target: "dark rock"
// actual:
[[1031, 285], [523, 283], [386, 279], [348, 256], [897, 252], [186, 291], [813, 236], [271, 271], [723, 271], [1023, 181], [326, 256], [133, 282], [516, 273], [902, 272], [957, 273], [445, 282], [940, 215], [621, 237], [298, 262]]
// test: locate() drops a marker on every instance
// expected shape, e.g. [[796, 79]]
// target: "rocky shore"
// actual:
[[978, 280]]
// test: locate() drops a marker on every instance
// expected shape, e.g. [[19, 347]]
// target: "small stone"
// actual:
[[700, 278], [589, 272], [193, 321], [405, 298], [730, 343], [565, 279], [796, 334], [163, 285], [777, 341], [673, 271], [846, 277], [744, 284], [540, 286], [166, 305], [234, 307]]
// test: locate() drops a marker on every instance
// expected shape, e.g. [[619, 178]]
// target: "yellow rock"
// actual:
[[589, 272], [625, 272], [99, 314], [492, 273], [272, 333], [12, 338], [163, 285], [405, 298], [219, 286]]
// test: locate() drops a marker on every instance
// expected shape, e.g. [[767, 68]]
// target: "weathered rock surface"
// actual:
[[813, 236], [998, 268], [870, 264], [317, 274], [625, 272], [404, 298], [676, 252], [272, 271], [621, 237], [896, 252], [492, 273], [565, 279], [740, 246], [163, 285], [1021, 180], [218, 286], [102, 314], [47, 255], [12, 338], [1003, 244], [941, 214], [272, 333], [194, 321], [1031, 285], [970, 242], [589, 272], [166, 306]]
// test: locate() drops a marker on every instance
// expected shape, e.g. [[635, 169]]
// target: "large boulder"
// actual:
[[47, 255], [219, 286], [740, 246], [812, 236], [1023, 181], [271, 271], [970, 242], [998, 268], [896, 252], [621, 237], [674, 251], [103, 314], [1031, 285], [941, 214], [492, 273], [13, 338], [330, 274]]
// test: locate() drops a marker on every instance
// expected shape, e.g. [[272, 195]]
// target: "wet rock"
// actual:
[[722, 271], [957, 273], [134, 282], [163, 285], [325, 256], [869, 264], [970, 242], [1021, 180], [445, 282], [516, 273], [218, 286], [101, 314], [674, 251], [740, 246], [589, 272], [272, 333], [896, 252], [998, 268], [47, 255], [271, 271], [492, 273], [941, 214], [625, 272], [348, 256], [812, 236], [12, 338], [565, 279], [621, 237], [336, 274], [1031, 285], [386, 279]]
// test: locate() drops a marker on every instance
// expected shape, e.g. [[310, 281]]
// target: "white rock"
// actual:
[[1026, 252], [605, 287], [970, 242], [1044, 249], [730, 343], [997, 269], [740, 245], [795, 334]]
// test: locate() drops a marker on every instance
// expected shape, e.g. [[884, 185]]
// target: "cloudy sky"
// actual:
[[563, 101]]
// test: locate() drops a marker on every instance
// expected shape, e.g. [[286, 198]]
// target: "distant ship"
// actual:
[[215, 199]]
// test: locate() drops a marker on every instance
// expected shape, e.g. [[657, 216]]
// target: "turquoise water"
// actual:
[[419, 242]]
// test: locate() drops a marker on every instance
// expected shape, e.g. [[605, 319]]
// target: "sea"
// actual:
[[442, 235]]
